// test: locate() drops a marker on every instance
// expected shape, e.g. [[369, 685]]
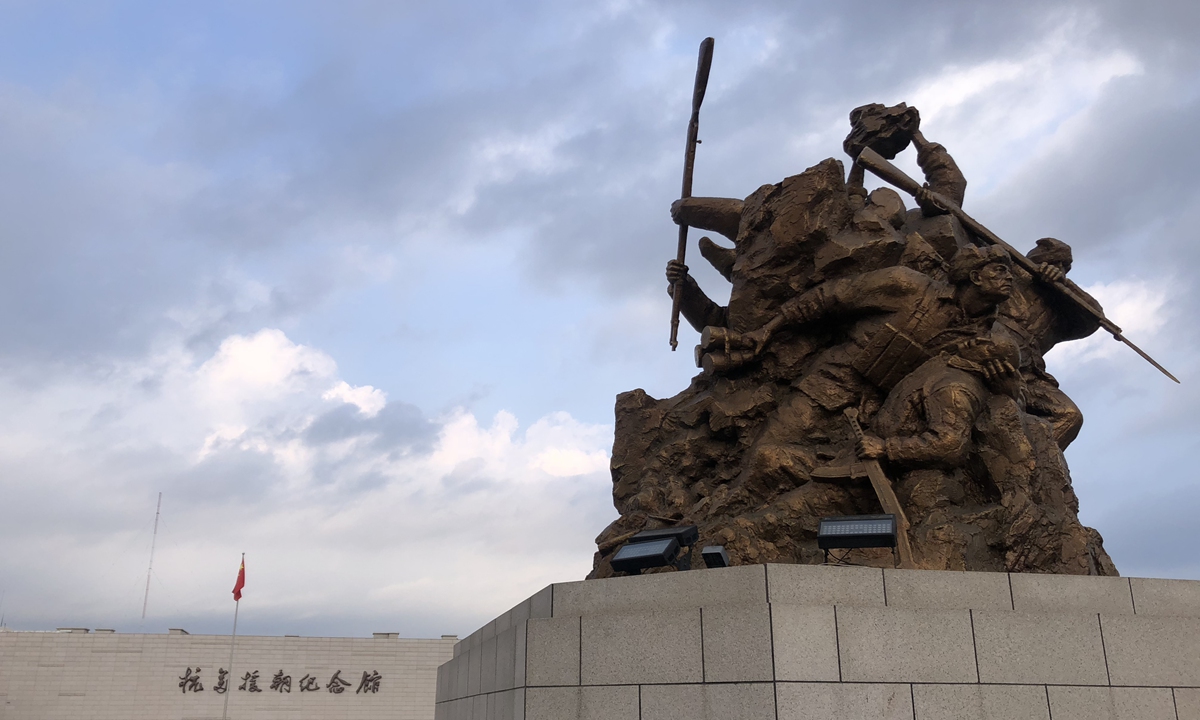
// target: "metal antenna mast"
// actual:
[[153, 540]]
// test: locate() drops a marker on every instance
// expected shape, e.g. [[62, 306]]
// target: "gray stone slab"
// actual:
[[732, 701], [487, 632], [1034, 593], [474, 665], [1039, 649], [659, 647], [505, 657], [1152, 651], [1102, 703], [844, 701], [895, 645], [805, 643], [521, 634], [461, 675], [947, 590], [541, 604], [825, 585], [487, 667], [520, 612], [443, 691], [504, 705], [744, 585], [619, 702], [1175, 598], [1187, 703], [737, 643], [504, 622], [980, 702], [552, 651]]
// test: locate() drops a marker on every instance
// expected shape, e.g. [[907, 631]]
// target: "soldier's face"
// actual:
[[994, 280]]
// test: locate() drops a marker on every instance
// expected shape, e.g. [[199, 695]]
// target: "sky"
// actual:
[[354, 285]]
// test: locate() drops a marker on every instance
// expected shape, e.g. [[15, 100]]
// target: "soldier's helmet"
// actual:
[[970, 258]]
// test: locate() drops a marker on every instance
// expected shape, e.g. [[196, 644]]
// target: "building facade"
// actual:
[[74, 674]]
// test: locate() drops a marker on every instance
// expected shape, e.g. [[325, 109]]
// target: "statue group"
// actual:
[[865, 336]]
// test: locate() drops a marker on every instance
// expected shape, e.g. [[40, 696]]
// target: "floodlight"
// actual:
[[715, 556], [637, 556], [685, 535], [657, 548], [857, 531]]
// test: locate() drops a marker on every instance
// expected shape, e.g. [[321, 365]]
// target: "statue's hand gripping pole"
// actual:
[[885, 493], [879, 166], [689, 160]]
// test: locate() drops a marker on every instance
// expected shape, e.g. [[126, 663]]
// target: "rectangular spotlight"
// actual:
[[857, 531], [637, 556], [685, 535], [715, 556]]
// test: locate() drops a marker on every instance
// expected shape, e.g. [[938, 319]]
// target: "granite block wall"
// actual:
[[792, 642]]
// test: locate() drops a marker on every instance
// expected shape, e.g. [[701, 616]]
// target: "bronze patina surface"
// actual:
[[872, 357]]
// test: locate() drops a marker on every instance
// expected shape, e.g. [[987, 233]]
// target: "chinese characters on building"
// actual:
[[190, 681]]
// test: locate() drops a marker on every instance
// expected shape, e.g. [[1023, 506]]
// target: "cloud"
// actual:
[[330, 508], [367, 399], [203, 209], [1136, 306]]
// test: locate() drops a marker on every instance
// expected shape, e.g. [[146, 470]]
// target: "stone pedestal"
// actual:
[[803, 642]]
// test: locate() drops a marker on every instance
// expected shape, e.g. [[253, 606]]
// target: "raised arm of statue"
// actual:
[[721, 215], [942, 175]]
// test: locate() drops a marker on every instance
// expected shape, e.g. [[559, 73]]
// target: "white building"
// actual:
[[74, 674]]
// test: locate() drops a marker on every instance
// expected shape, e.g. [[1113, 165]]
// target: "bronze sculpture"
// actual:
[[871, 357]]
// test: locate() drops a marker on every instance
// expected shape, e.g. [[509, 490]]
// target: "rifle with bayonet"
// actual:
[[703, 64], [879, 166]]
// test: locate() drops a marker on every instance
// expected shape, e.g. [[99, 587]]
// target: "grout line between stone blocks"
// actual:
[[974, 646], [1012, 603], [883, 579], [774, 676], [703, 673], [912, 700], [837, 642], [580, 650], [525, 695], [1104, 649], [1049, 712], [1132, 599], [1175, 703]]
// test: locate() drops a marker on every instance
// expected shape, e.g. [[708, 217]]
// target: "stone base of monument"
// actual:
[[793, 642]]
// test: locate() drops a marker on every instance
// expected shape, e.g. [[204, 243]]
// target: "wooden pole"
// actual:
[[703, 65]]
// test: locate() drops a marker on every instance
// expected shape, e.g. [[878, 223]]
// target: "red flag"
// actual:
[[241, 581]]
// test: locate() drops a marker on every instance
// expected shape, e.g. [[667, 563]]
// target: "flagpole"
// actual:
[[232, 638]]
